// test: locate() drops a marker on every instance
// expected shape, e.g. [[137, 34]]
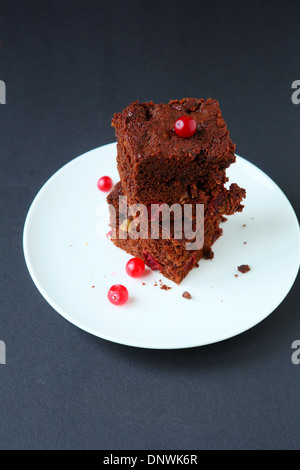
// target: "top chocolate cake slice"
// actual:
[[156, 165]]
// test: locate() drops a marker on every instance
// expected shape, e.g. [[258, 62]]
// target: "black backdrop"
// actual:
[[68, 66]]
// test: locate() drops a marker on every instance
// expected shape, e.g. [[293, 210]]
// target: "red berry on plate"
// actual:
[[135, 267], [105, 183], [118, 294], [185, 126]]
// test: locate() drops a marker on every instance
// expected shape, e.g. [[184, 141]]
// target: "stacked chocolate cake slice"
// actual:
[[159, 168]]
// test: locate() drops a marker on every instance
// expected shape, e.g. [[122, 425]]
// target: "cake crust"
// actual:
[[155, 164]]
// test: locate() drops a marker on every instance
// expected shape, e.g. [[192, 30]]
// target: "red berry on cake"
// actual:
[[185, 126], [117, 294], [105, 183], [135, 267]]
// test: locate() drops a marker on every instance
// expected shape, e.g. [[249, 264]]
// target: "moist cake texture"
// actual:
[[169, 256], [157, 166]]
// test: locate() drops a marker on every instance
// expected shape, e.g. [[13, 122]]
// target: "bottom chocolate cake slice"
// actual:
[[169, 256]]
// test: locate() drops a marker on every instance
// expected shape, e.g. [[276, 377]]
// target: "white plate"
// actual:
[[66, 254]]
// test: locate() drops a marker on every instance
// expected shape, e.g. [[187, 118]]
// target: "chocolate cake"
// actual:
[[156, 165], [169, 256]]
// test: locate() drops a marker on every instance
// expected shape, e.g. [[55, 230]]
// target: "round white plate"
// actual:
[[73, 264]]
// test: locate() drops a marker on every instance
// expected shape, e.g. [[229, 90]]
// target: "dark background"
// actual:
[[68, 66]]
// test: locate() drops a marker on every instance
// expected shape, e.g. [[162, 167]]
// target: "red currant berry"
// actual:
[[118, 294], [105, 183], [150, 261], [185, 126], [135, 267]]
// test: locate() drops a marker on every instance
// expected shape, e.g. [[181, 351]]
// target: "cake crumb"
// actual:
[[93, 287], [236, 275], [86, 243], [245, 243], [208, 253], [143, 283], [223, 219], [186, 295], [164, 287], [244, 225], [197, 265], [244, 268]]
